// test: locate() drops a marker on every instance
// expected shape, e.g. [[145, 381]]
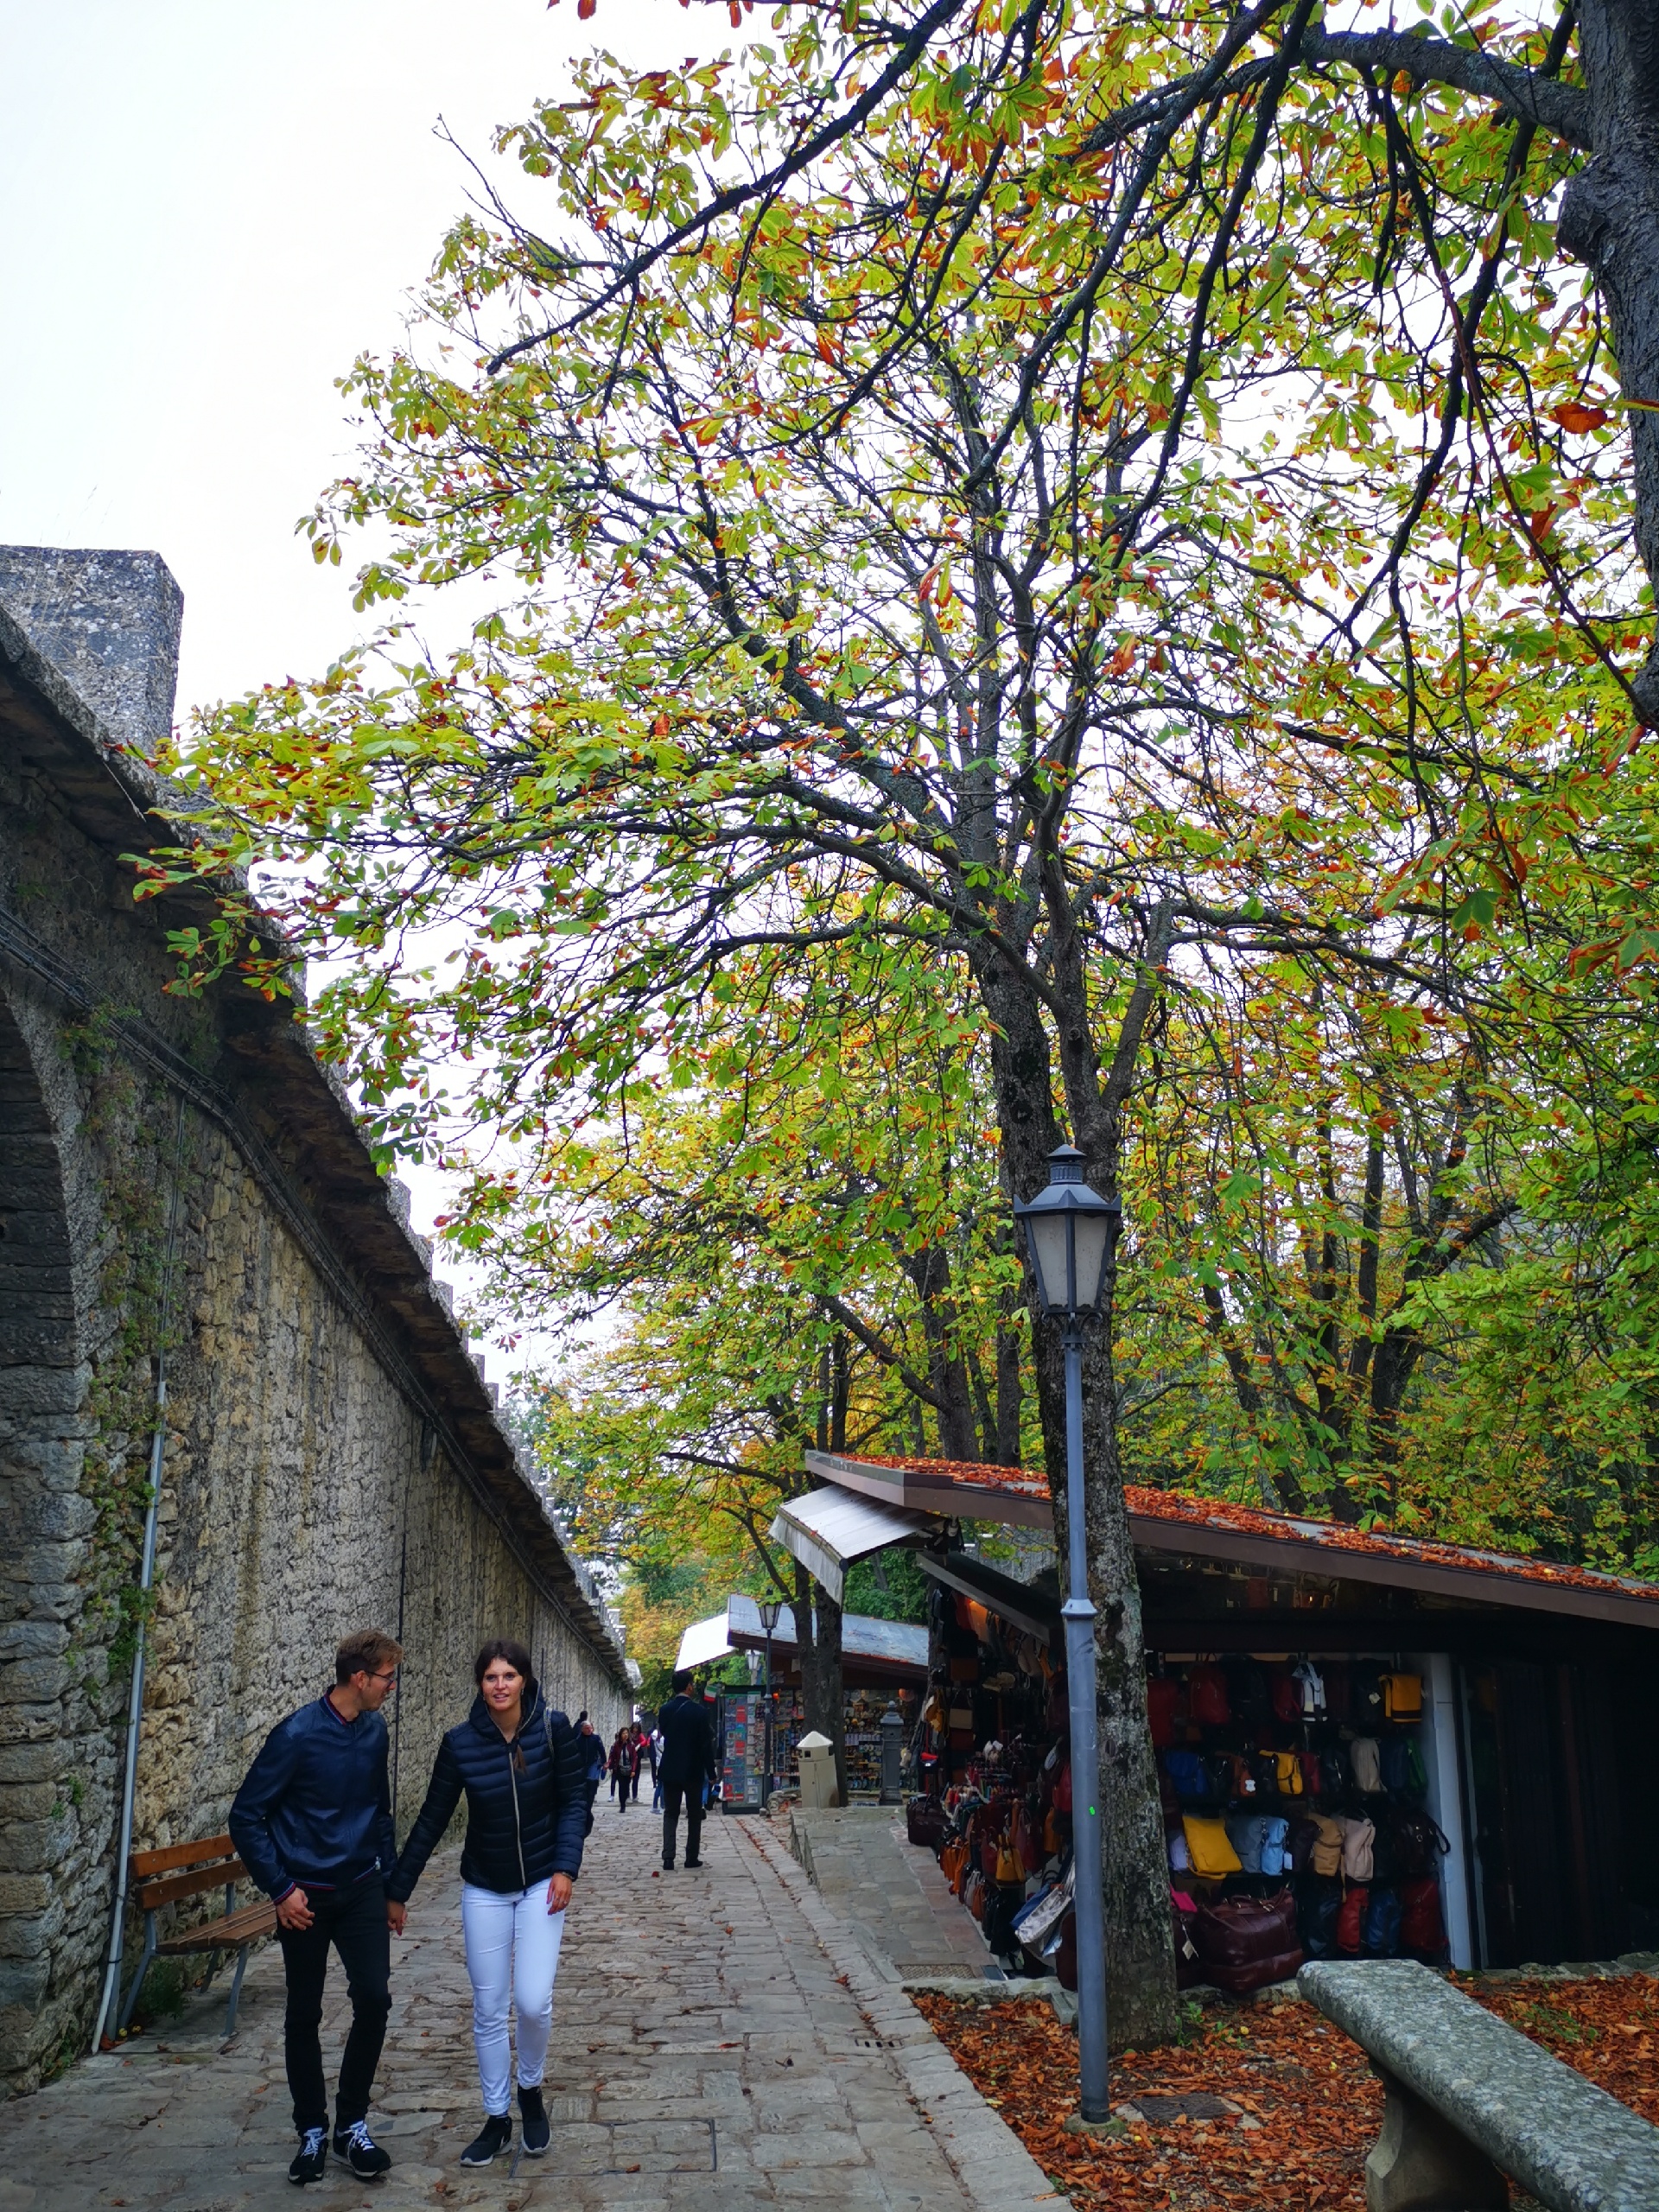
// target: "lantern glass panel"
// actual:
[[1048, 1235], [1092, 1238]]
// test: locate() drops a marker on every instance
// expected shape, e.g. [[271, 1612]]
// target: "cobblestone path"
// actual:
[[716, 2047]]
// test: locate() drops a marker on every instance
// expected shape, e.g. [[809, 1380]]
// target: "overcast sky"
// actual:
[[208, 208]]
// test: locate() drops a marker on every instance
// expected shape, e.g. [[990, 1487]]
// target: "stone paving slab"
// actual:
[[720, 2044], [890, 1894]]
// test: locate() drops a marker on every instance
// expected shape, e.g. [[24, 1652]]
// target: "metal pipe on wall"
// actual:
[[146, 1578]]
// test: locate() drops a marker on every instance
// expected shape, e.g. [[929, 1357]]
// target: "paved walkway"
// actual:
[[720, 2043], [892, 1896]]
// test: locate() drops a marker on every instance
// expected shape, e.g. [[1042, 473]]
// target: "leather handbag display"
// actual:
[[1244, 1943]]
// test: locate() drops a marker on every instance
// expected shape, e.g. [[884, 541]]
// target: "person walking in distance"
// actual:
[[519, 1762], [619, 1755], [312, 1823], [592, 1747], [688, 1763]]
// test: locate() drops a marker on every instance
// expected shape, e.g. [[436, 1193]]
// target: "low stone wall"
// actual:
[[181, 1185]]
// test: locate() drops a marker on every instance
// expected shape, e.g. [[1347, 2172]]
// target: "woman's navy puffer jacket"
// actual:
[[521, 1827]]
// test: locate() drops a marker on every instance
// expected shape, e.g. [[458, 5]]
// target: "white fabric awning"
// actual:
[[704, 1641], [827, 1530]]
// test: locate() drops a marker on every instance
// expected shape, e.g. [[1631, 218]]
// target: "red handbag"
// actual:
[[1422, 1931], [1351, 1922], [1287, 1694], [1207, 1697], [1063, 1789], [1163, 1696]]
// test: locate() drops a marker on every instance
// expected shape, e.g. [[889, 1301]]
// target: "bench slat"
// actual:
[[141, 1865], [1565, 2141], [241, 1927], [191, 1886]]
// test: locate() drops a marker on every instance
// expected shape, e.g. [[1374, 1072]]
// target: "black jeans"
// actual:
[[673, 1792], [355, 1921]]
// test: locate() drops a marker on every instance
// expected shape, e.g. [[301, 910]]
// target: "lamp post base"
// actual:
[[1075, 2123]]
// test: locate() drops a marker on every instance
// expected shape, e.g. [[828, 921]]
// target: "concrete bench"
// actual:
[[1470, 2100]]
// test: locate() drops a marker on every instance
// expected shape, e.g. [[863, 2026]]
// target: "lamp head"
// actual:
[[1069, 1230], [770, 1609]]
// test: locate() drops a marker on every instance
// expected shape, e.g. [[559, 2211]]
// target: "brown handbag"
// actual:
[[1247, 1942]]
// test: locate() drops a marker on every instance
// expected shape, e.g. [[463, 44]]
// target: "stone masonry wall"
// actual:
[[304, 1491]]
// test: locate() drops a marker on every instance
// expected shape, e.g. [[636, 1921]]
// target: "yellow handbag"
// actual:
[[1402, 1697], [1289, 1769], [1009, 1867], [1209, 1848]]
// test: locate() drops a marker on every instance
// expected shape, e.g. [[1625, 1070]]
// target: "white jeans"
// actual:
[[512, 1949]]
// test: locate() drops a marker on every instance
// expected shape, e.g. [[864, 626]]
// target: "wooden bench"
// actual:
[[1470, 2101], [155, 1878]]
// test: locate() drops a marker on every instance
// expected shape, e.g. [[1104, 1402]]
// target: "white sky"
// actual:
[[207, 207]]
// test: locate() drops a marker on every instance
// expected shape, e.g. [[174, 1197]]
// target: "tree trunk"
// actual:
[[1141, 1965], [1610, 218]]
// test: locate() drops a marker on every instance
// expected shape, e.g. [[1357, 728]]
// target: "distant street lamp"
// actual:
[[1071, 1233], [770, 1609]]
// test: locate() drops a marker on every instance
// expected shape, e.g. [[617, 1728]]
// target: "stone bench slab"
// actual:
[[1568, 2143]]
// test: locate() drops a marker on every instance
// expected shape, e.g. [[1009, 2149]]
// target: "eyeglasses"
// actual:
[[391, 1677]]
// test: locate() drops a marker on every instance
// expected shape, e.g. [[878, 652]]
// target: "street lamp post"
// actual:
[[770, 1609], [1071, 1233]]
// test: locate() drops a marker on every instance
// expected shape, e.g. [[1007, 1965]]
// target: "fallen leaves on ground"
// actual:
[[1309, 2107], [1609, 2030]]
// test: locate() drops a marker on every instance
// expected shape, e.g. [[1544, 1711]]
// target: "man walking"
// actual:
[[688, 1762], [591, 1747], [313, 1825]]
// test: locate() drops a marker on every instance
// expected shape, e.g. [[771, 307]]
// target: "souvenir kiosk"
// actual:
[[1384, 1745], [884, 1663]]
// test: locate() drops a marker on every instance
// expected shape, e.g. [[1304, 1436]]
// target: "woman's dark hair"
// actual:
[[503, 1647]]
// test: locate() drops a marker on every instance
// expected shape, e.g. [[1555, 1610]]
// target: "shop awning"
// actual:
[[827, 1530], [1012, 1601], [895, 1647], [950, 1487], [703, 1643]]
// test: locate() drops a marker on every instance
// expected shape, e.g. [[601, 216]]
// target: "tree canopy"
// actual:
[[1131, 514]]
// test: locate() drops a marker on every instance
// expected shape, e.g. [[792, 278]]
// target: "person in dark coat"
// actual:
[[312, 1824], [688, 1762], [520, 1766]]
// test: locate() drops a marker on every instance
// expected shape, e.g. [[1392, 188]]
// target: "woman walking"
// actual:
[[520, 1766], [621, 1768]]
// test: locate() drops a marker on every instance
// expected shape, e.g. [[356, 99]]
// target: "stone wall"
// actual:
[[182, 1192]]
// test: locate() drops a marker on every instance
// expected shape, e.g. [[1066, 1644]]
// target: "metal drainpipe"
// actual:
[[134, 1713], [146, 1578]]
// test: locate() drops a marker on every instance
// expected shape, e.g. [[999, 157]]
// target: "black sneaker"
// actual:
[[533, 2115], [356, 2148], [495, 2138], [311, 2159], [693, 1866]]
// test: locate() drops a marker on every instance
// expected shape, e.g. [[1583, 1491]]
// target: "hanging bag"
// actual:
[[1289, 1770], [1351, 1922], [1357, 1858], [1245, 1831], [1402, 1697], [1422, 1930], [1207, 1697], [1368, 1766], [1325, 1856], [1381, 1932], [1163, 1699], [1276, 1858], [1210, 1848]]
